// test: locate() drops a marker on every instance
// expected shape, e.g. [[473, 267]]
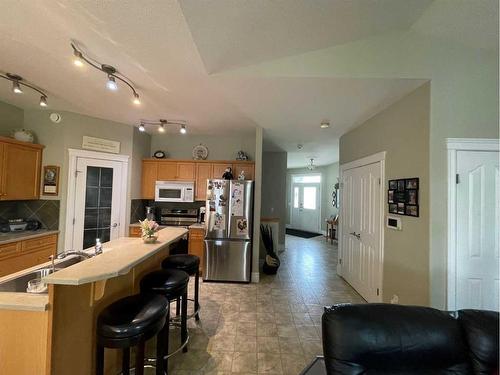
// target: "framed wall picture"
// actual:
[[402, 196], [50, 180]]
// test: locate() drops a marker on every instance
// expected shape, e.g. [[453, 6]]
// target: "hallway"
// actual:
[[273, 327]]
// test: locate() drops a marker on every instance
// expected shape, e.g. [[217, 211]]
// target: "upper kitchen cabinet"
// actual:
[[186, 171], [203, 173], [219, 168], [247, 168], [149, 177], [167, 171], [20, 170]]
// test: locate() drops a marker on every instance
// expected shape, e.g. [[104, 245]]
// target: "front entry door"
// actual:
[[477, 221], [361, 229], [306, 206], [97, 202]]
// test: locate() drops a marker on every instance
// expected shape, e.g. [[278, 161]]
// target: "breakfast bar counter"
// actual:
[[54, 333]]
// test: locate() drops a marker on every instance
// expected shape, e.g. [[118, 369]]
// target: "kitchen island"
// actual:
[[54, 333]]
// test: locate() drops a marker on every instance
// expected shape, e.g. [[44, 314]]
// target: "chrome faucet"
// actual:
[[83, 254], [52, 258]]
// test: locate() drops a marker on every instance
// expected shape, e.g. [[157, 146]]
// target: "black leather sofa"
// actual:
[[375, 339]]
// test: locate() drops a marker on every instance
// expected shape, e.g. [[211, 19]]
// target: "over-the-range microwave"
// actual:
[[174, 191]]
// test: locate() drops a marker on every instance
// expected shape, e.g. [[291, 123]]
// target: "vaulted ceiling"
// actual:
[[182, 56]]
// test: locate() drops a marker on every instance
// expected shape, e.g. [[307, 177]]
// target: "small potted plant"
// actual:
[[149, 229]]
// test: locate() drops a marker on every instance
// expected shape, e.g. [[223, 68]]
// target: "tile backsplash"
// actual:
[[45, 211]]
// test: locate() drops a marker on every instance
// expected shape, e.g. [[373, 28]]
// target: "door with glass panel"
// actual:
[[305, 211], [97, 202]]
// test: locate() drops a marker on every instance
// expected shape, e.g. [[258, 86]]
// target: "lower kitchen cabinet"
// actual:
[[196, 244], [19, 255], [134, 231]]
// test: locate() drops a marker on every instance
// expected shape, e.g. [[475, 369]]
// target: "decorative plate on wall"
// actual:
[[200, 152]]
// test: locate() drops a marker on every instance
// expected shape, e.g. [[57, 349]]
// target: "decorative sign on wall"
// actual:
[[50, 180], [100, 144], [402, 197]]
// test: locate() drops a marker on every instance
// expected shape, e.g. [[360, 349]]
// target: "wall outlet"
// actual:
[[395, 299]]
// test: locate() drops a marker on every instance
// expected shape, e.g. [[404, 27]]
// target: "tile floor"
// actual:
[[273, 327]]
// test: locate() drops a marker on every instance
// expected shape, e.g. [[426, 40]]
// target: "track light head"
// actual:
[[43, 101], [161, 128], [78, 59], [183, 129], [142, 128], [111, 83], [136, 100], [16, 88]]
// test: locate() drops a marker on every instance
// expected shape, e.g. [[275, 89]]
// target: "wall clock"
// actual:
[[200, 152]]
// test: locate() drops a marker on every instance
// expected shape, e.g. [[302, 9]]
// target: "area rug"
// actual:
[[301, 233]]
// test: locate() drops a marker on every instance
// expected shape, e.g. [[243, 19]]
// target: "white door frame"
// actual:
[[320, 203], [371, 159], [453, 145], [74, 154]]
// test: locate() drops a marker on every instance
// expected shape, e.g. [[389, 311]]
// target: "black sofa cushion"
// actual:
[[392, 339], [481, 331]]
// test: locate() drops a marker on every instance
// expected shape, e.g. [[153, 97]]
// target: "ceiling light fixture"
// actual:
[[311, 165], [17, 86], [111, 84], [324, 124], [111, 72], [162, 123]]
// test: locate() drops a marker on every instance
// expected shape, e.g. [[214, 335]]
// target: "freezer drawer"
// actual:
[[227, 260]]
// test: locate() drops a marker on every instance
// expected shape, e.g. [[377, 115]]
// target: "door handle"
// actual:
[[114, 225]]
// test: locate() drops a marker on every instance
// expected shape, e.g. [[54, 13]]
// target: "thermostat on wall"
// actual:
[[394, 223]]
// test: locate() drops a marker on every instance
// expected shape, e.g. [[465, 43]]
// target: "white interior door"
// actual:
[[477, 231], [306, 206], [361, 230], [98, 193]]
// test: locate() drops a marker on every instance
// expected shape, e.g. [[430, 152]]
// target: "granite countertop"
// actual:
[[24, 235], [192, 226], [118, 258]]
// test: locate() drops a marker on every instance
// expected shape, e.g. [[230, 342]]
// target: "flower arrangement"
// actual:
[[149, 229]]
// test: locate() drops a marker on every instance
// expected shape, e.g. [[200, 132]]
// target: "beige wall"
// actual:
[[274, 189], [69, 133], [329, 177], [178, 146], [401, 130], [10, 118]]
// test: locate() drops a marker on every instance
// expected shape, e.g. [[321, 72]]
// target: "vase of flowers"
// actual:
[[149, 229]]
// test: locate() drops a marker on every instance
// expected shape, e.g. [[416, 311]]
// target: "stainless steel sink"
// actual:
[[20, 283]]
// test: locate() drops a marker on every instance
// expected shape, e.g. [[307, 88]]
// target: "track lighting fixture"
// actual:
[[17, 86], [112, 74], [111, 84], [162, 123]]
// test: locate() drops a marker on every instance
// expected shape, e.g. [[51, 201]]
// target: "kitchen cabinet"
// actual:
[[167, 171], [22, 254], [20, 170], [203, 173], [247, 168], [196, 243], [198, 171], [149, 177], [218, 169], [186, 171], [134, 231]]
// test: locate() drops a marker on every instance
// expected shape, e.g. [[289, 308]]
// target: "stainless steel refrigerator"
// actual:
[[228, 242]]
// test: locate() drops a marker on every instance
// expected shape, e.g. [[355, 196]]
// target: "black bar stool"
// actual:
[[131, 321], [171, 284], [191, 265]]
